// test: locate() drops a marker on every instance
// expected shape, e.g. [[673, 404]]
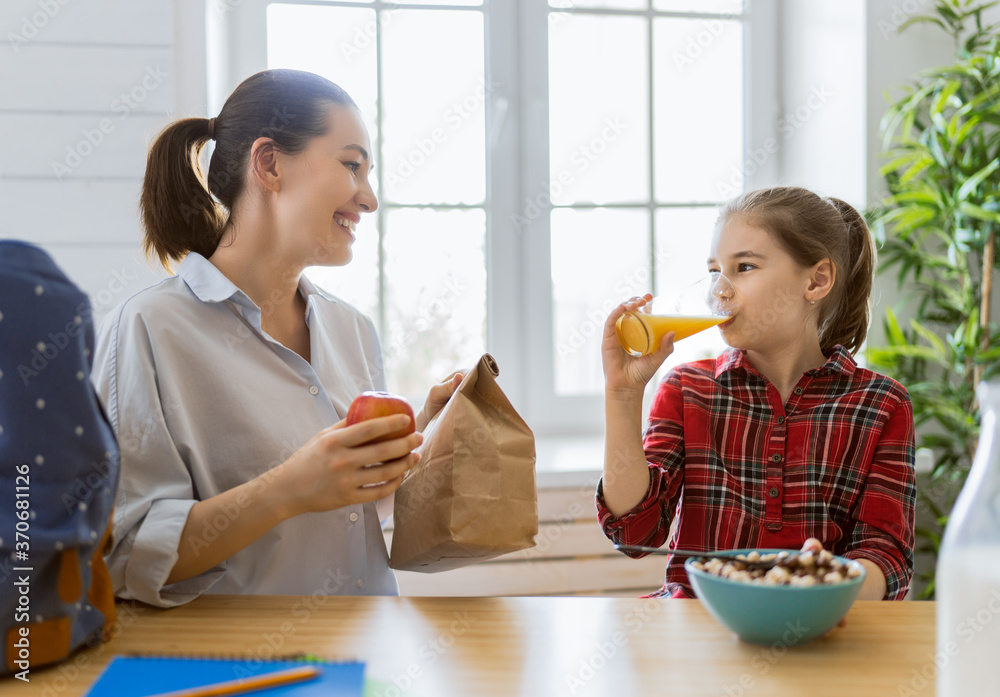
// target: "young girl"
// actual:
[[783, 438], [226, 384]]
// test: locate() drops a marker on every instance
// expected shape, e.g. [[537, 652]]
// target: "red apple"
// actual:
[[370, 405]]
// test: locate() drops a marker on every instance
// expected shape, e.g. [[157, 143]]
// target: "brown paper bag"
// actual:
[[472, 495]]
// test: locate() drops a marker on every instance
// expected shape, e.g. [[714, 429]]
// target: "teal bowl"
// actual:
[[774, 615]]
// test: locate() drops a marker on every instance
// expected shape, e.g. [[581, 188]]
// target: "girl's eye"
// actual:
[[745, 267], [353, 166]]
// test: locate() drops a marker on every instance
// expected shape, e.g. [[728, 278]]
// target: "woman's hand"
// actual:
[[438, 397], [334, 469], [622, 372], [340, 466]]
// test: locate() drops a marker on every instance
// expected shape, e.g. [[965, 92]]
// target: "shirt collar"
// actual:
[[839, 360], [211, 286]]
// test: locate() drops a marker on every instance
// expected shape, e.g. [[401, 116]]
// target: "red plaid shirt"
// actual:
[[740, 469]]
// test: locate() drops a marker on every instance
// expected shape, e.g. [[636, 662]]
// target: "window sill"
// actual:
[[568, 461]]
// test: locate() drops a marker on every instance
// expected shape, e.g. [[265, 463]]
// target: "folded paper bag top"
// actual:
[[472, 496]]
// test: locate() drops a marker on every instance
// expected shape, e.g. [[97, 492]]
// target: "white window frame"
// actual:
[[519, 307]]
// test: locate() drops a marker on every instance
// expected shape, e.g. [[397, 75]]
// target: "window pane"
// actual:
[[434, 103], [604, 4], [456, 3], [357, 283], [598, 109], [435, 276], [698, 102], [600, 257], [721, 6], [335, 42], [683, 242]]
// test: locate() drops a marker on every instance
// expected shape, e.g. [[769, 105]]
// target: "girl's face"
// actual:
[[772, 309], [325, 189]]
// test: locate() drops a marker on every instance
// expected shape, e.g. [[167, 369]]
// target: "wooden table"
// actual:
[[423, 647]]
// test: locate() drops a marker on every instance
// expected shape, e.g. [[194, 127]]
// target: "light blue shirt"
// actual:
[[203, 400]]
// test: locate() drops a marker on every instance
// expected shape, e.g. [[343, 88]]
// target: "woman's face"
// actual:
[[325, 190], [771, 308]]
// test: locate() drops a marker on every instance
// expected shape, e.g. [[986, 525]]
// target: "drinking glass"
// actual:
[[689, 310]]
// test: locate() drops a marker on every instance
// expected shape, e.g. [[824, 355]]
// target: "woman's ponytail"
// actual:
[[178, 212], [847, 322]]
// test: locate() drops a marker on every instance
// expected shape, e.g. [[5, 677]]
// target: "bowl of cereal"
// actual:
[[800, 597]]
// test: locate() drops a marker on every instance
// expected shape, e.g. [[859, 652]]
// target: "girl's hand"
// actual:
[[622, 372], [438, 397], [338, 467]]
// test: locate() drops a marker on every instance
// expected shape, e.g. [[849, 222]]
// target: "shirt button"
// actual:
[[797, 390], [781, 420], [776, 458], [313, 390], [353, 517], [360, 582], [773, 492]]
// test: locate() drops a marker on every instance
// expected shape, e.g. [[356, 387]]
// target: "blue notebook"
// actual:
[[141, 676]]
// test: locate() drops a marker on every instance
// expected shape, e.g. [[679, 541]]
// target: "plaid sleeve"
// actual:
[[884, 533], [648, 523]]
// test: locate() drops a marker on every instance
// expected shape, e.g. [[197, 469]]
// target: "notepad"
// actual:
[[141, 676]]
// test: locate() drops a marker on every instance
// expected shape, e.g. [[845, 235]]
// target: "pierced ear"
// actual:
[[264, 164], [821, 280]]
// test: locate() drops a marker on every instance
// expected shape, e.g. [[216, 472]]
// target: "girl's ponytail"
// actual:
[[811, 228], [178, 213], [847, 322]]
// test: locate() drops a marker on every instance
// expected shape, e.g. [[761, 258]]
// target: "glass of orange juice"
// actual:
[[706, 303]]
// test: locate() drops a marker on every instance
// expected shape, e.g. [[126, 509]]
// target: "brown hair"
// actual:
[[810, 229], [180, 208]]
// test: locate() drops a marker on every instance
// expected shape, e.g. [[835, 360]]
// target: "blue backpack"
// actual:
[[58, 468]]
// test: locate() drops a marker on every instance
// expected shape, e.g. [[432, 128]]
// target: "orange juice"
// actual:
[[640, 334]]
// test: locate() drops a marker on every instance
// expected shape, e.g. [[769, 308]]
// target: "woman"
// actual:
[[222, 382]]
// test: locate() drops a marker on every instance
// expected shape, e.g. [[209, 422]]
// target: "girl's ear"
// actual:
[[264, 164], [821, 279]]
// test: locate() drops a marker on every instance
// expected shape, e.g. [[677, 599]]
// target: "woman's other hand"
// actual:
[[438, 397]]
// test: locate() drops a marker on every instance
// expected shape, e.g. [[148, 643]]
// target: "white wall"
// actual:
[[822, 76], [86, 84]]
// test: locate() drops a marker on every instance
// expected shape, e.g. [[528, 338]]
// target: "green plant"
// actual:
[[938, 229]]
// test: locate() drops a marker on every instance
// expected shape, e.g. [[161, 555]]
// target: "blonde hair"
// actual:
[[810, 229]]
